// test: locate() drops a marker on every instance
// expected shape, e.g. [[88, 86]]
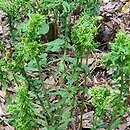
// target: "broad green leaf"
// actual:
[[65, 123], [43, 59], [85, 68], [41, 122], [61, 67], [44, 29], [4, 85], [31, 66], [66, 120], [66, 6], [86, 91], [115, 124], [57, 105], [52, 127], [66, 113], [55, 45]]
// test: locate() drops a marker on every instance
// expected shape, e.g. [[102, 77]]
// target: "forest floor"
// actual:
[[116, 15]]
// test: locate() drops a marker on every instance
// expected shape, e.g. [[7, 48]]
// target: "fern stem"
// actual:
[[122, 85], [42, 82], [83, 94], [82, 104], [16, 81]]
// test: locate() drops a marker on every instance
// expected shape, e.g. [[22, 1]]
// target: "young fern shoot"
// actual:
[[83, 38]]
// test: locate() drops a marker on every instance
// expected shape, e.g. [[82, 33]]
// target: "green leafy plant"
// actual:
[[92, 7], [31, 50], [108, 108], [119, 59], [115, 103], [23, 113], [100, 99], [83, 37]]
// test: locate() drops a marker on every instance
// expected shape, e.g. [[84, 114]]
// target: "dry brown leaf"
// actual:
[[87, 119], [128, 121], [7, 128], [1, 30], [90, 61], [50, 80], [12, 90], [8, 46], [1, 127], [110, 6], [123, 26], [3, 94], [106, 1], [1, 111], [109, 24], [126, 8], [122, 126]]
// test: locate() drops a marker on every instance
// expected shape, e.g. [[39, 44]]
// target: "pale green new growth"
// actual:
[[23, 113]]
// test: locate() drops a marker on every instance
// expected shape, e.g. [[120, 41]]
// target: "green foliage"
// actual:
[[100, 99], [29, 47], [5, 67], [23, 113], [56, 45], [106, 102], [113, 103], [9, 7], [83, 35], [92, 7], [36, 24], [119, 57], [12, 6], [84, 32], [3, 74], [31, 50]]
